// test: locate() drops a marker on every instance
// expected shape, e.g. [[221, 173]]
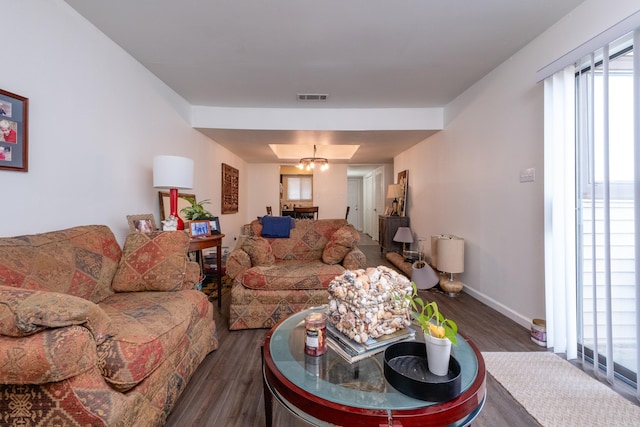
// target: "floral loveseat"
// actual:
[[92, 335], [275, 277]]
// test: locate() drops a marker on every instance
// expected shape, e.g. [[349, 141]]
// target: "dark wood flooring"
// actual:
[[226, 390]]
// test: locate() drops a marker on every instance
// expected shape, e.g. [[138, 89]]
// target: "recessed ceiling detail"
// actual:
[[312, 96], [295, 151]]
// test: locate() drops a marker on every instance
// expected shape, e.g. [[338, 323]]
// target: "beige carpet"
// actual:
[[556, 393]]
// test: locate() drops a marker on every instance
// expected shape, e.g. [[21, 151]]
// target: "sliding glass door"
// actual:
[[606, 210]]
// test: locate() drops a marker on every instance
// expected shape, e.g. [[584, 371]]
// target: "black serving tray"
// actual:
[[406, 369]]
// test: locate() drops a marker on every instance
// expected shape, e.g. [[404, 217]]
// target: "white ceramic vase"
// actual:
[[438, 354]]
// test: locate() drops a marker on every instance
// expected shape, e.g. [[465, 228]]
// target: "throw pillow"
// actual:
[[276, 226], [259, 251], [152, 262], [24, 312], [339, 245]]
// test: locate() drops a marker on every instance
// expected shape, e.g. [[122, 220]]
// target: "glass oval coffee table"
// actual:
[[328, 390]]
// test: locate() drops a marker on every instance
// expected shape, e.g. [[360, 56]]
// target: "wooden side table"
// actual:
[[387, 227], [198, 244]]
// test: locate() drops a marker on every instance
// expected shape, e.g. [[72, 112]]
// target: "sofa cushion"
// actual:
[[148, 327], [79, 261], [307, 240], [152, 262], [341, 242], [292, 275], [49, 356], [259, 250], [25, 312]]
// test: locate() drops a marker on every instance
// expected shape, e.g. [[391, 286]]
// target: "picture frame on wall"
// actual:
[[14, 137], [230, 186]]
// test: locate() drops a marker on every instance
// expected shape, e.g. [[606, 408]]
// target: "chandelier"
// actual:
[[309, 163]]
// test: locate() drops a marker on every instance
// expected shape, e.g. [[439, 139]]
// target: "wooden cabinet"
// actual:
[[387, 227]]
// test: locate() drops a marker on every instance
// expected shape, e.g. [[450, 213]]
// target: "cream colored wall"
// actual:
[[263, 189], [464, 180], [330, 191], [96, 120]]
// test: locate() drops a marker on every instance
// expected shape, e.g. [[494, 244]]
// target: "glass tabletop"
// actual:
[[361, 384]]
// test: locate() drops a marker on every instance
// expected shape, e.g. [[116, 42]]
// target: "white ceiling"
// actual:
[[362, 53]]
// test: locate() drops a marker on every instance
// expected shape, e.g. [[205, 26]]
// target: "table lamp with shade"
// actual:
[[404, 235], [173, 173], [450, 260], [393, 192]]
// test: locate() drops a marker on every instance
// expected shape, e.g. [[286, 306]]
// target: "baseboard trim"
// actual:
[[499, 307]]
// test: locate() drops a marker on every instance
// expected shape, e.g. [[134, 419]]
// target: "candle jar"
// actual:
[[315, 337]]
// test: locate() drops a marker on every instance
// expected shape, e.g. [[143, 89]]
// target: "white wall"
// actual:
[[97, 118], [263, 189], [465, 179], [330, 191]]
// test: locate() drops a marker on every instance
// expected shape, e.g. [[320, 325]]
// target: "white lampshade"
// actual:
[[450, 254], [394, 191], [434, 249], [404, 235], [172, 172]]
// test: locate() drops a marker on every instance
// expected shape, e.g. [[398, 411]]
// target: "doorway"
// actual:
[[354, 201]]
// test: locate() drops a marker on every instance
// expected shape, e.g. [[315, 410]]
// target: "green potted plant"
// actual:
[[439, 332], [196, 210]]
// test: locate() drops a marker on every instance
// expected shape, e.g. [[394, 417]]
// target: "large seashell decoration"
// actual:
[[369, 303]]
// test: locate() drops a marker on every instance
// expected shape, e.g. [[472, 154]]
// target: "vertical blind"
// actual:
[[592, 210]]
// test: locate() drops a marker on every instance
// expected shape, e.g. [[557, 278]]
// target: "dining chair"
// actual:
[[310, 212], [268, 210], [346, 216]]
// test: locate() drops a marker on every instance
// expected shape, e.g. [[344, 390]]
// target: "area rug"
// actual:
[[556, 393], [211, 287]]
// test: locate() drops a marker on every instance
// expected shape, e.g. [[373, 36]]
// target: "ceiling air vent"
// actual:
[[312, 96]]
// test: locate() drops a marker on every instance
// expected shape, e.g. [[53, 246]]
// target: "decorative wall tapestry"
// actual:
[[403, 181], [229, 189]]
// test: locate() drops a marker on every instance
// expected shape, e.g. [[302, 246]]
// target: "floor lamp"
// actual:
[[173, 173]]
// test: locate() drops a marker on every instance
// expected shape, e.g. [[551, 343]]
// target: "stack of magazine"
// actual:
[[352, 351]]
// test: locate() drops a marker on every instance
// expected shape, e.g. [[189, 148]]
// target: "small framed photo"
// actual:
[[142, 223], [214, 225], [200, 228], [14, 140]]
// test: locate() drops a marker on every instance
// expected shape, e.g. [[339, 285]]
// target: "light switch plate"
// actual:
[[528, 175]]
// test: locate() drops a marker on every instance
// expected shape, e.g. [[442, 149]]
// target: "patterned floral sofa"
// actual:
[[276, 277], [92, 335]]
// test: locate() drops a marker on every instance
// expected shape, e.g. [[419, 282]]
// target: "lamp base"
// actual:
[[452, 287], [173, 207]]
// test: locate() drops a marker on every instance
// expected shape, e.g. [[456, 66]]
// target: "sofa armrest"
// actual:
[[354, 260], [192, 276], [238, 262], [50, 355], [24, 312]]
